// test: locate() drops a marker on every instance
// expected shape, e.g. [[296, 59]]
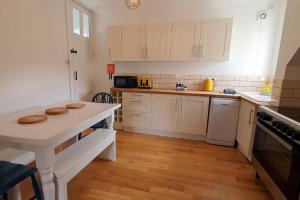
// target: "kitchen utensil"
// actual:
[[111, 70], [56, 111], [32, 119], [75, 105]]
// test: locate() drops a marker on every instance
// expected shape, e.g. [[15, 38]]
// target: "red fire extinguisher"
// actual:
[[111, 70]]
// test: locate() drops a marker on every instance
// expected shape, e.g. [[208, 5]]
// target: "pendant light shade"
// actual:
[[132, 4]]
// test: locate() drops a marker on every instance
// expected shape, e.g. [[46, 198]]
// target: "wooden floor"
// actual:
[[150, 167]]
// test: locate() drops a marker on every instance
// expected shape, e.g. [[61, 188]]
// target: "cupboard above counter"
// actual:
[[203, 40]]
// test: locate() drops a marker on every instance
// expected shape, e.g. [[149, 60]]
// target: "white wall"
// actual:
[[32, 54], [253, 41], [290, 41]]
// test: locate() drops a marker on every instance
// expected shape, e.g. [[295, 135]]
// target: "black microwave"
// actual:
[[125, 81]]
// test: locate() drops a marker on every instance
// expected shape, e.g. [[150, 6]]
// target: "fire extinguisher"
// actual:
[[111, 70]]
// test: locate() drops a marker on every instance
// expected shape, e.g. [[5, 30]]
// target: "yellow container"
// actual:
[[209, 85]]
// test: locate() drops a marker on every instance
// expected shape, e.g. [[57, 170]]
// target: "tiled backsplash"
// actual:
[[195, 82], [287, 92]]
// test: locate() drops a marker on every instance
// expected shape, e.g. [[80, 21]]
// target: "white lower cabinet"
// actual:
[[165, 112], [193, 114], [170, 115], [246, 128]]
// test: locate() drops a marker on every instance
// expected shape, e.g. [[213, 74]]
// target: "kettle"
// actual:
[[209, 85]]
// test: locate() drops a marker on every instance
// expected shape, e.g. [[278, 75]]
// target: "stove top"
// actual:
[[292, 113]]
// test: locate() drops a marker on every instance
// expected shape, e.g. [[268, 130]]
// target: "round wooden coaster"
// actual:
[[56, 111], [32, 119], [75, 105]]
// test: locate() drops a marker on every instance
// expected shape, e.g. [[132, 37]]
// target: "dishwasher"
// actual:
[[223, 121]]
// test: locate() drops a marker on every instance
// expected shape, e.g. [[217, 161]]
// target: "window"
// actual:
[[76, 21], [86, 25]]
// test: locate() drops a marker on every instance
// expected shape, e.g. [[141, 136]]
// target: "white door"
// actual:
[[193, 114], [165, 112], [115, 43], [158, 42], [79, 22], [215, 39], [245, 128], [184, 41], [133, 42]]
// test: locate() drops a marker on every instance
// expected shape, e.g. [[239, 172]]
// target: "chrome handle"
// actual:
[[195, 50], [176, 104], [137, 95], [275, 137], [142, 52], [250, 117], [136, 101], [181, 104]]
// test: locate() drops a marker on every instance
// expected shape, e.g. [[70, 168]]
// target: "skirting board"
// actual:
[[166, 133]]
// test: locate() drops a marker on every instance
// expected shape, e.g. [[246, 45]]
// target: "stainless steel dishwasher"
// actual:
[[223, 121]]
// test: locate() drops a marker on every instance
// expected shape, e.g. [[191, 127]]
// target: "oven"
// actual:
[[125, 82], [277, 158]]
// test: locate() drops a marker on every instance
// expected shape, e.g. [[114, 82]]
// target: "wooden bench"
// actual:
[[72, 160], [19, 157]]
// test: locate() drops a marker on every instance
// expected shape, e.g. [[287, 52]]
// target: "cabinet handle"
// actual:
[[250, 117], [146, 52], [136, 101], [200, 51], [195, 50], [176, 104], [181, 104], [137, 95]]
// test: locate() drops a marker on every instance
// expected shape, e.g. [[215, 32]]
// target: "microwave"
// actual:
[[125, 82]]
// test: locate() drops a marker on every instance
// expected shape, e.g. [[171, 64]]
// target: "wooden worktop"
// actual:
[[192, 93]]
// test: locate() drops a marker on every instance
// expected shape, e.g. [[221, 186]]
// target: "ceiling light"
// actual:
[[132, 4]]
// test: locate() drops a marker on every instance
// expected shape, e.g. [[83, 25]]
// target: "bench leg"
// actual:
[[61, 189], [109, 153], [15, 193]]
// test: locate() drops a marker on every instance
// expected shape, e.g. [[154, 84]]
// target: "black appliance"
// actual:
[[276, 151], [125, 82]]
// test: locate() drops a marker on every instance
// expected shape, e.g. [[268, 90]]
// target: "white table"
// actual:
[[42, 138]]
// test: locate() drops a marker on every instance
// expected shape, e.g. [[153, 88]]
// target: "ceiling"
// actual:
[[95, 5]]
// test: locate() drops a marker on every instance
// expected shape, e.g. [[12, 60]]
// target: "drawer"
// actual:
[[136, 120], [137, 105], [129, 95]]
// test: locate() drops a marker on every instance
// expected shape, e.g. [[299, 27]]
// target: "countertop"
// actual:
[[192, 93]]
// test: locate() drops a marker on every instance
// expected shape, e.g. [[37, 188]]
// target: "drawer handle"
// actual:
[[136, 101], [137, 95]]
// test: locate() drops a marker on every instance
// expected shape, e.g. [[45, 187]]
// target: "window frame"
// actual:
[[82, 11]]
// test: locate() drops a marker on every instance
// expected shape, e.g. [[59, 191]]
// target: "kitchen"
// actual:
[[184, 59]]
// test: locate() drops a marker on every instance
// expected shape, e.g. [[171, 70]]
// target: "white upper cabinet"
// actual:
[[184, 44], [215, 39], [158, 42], [133, 42], [181, 41], [115, 43]]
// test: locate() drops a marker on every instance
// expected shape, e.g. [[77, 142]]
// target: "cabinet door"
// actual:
[[133, 42], [215, 39], [158, 42], [245, 128], [115, 43], [184, 44], [165, 112], [193, 114]]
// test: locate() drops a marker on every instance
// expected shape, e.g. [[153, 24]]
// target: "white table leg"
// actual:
[[15, 193], [45, 158], [109, 153]]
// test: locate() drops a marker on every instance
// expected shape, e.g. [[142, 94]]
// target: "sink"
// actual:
[[257, 96]]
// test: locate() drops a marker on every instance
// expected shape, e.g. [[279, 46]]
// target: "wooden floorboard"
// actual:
[[160, 168]]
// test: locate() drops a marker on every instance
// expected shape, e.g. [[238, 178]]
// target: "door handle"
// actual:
[[73, 51], [75, 75]]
